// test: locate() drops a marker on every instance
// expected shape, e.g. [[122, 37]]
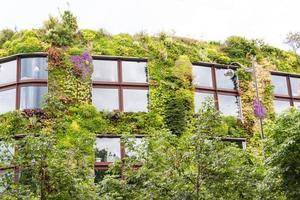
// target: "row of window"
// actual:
[[123, 85], [107, 150]]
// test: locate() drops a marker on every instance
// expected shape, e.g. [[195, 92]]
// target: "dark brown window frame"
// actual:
[[22, 83], [120, 85], [215, 90], [288, 98]]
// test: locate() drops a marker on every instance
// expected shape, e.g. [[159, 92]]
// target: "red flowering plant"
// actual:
[[82, 64], [259, 109]]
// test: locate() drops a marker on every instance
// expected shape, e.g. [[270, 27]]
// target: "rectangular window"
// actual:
[[134, 146], [120, 85], [202, 76], [280, 85], [7, 100], [32, 96], [286, 91], [6, 153], [105, 70], [200, 98], [211, 81], [105, 99], [228, 105], [223, 81], [6, 178], [108, 149], [34, 68], [134, 72], [281, 105], [135, 100], [295, 83], [8, 72]]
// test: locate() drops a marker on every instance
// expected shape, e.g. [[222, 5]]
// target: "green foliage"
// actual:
[[5, 35], [179, 168], [283, 155], [62, 32]]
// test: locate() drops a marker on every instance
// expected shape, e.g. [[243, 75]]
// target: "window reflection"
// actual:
[[202, 76], [105, 70], [32, 97], [6, 152], [228, 105], [295, 83], [280, 105], [200, 98], [108, 149], [134, 145], [8, 72], [6, 178], [135, 100], [7, 100], [223, 81], [34, 68], [134, 72], [280, 85], [297, 104], [105, 99]]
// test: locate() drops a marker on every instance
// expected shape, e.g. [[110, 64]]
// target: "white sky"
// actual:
[[269, 20]]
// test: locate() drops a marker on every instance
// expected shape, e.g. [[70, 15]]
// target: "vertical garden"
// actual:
[[185, 157]]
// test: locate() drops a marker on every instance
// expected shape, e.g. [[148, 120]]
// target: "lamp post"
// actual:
[[257, 102]]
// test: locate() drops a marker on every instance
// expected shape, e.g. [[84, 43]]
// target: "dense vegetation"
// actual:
[[184, 158]]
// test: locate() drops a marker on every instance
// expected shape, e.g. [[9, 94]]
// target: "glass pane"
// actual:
[[202, 76], [295, 82], [280, 106], [134, 145], [228, 105], [8, 72], [297, 104], [200, 98], [105, 70], [108, 149], [7, 100], [105, 99], [32, 97], [223, 81], [280, 85], [34, 68], [135, 100], [134, 71], [6, 153], [6, 178]]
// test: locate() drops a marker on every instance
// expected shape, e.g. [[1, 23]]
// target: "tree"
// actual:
[[193, 166], [293, 40], [283, 175]]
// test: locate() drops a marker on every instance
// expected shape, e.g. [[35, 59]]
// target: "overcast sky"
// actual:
[[269, 20]]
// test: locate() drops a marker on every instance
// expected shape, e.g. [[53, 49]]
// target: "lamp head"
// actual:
[[229, 73]]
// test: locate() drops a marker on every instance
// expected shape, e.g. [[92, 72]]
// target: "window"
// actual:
[[112, 148], [228, 105], [105, 70], [23, 82], [106, 98], [34, 68], [6, 153], [202, 76], [7, 100], [120, 85], [200, 98], [210, 81], [108, 149], [280, 105], [134, 72], [280, 85], [286, 91], [295, 83], [32, 96], [6, 178], [135, 100], [8, 72]]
